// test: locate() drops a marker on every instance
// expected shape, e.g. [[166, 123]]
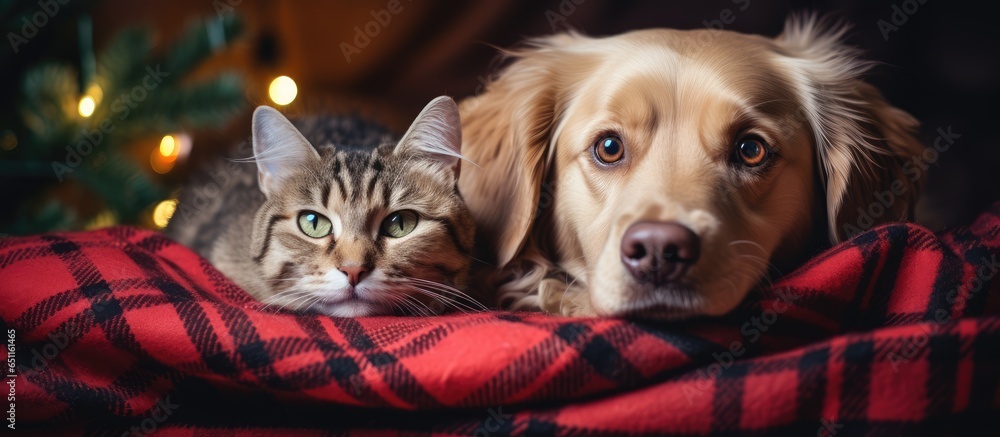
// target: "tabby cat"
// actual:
[[338, 218]]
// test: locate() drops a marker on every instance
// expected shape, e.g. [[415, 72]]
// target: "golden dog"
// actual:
[[660, 173]]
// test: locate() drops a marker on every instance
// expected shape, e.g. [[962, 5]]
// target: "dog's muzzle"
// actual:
[[659, 253]]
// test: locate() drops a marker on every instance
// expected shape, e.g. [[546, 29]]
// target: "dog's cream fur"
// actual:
[[553, 219]]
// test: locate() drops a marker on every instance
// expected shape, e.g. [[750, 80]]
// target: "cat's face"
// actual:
[[353, 233]]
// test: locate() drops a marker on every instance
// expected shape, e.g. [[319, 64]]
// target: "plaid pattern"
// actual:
[[123, 331]]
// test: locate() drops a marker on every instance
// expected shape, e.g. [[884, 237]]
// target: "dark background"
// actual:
[[941, 65]]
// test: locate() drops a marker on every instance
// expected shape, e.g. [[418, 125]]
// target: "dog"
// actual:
[[664, 173]]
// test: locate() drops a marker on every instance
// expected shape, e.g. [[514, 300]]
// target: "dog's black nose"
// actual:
[[659, 252]]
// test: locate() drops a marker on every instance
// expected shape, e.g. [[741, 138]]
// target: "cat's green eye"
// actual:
[[399, 224], [314, 224]]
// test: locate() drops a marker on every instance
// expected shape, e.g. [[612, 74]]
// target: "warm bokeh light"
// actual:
[[173, 148], [283, 90], [8, 141], [168, 147], [87, 106], [103, 220], [161, 164], [163, 211], [95, 92]]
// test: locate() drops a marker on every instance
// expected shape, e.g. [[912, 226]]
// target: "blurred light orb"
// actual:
[[163, 212], [102, 220], [95, 92], [168, 146], [161, 164], [8, 141], [87, 106], [172, 148], [283, 90]]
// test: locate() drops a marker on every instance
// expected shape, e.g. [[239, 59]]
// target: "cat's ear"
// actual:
[[278, 148], [436, 134]]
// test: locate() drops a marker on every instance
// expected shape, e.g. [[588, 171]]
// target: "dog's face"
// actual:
[[676, 165], [676, 176]]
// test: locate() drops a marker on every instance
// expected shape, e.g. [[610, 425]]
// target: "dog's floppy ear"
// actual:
[[863, 143], [507, 131]]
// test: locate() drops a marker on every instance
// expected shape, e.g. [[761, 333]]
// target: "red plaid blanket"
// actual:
[[123, 331]]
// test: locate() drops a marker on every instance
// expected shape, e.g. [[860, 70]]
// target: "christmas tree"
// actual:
[[69, 121]]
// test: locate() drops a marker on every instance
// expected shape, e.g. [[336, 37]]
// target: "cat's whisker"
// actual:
[[355, 154], [422, 308], [395, 298], [395, 306], [451, 291], [444, 299], [302, 299], [278, 298], [425, 309], [383, 303], [399, 296], [437, 298], [286, 293], [406, 307], [309, 303], [432, 291]]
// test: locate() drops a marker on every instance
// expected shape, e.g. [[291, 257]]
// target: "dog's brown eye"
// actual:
[[751, 152], [609, 149]]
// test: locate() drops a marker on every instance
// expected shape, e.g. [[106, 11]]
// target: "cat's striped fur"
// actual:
[[357, 176]]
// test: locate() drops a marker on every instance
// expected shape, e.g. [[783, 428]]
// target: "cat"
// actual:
[[339, 218]]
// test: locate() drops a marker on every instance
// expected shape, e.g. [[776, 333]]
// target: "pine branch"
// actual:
[[195, 44], [209, 103], [7, 14], [120, 65], [49, 121], [48, 108], [54, 216], [117, 180]]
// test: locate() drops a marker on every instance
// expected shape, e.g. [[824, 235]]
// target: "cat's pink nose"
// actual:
[[355, 273]]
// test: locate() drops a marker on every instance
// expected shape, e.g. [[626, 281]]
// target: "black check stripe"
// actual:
[[338, 365], [830, 353], [402, 382], [118, 333], [192, 315]]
